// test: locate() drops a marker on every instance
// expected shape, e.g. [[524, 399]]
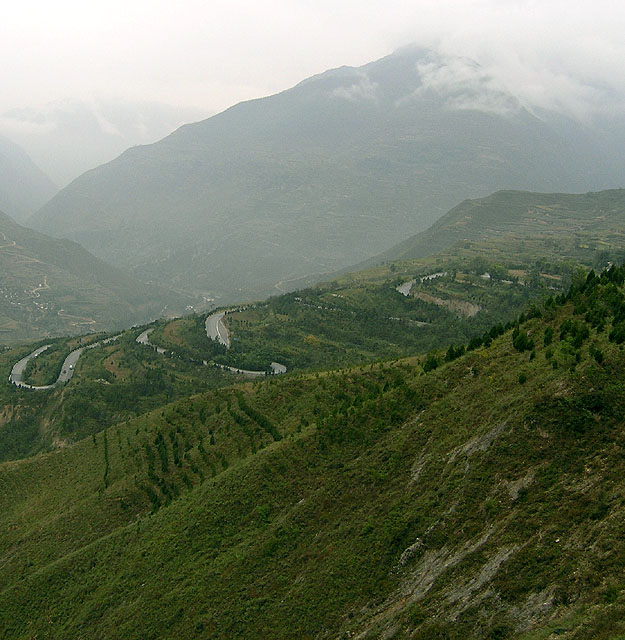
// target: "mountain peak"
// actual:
[[321, 176]]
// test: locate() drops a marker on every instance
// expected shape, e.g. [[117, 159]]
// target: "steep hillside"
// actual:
[[516, 248], [23, 186], [320, 176], [478, 498], [514, 214], [393, 310], [55, 287]]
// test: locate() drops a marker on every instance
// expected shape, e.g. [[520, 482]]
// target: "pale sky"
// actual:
[[211, 54], [200, 57]]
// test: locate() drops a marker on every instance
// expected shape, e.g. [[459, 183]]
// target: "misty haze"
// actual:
[[312, 320]]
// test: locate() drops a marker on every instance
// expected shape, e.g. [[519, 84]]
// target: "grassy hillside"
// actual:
[[512, 215], [55, 287], [483, 499]]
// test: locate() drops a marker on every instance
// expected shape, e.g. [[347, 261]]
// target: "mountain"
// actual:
[[56, 287], [322, 175], [23, 186], [393, 310], [69, 137], [517, 214], [477, 498]]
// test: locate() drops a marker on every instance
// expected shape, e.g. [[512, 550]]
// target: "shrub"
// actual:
[[597, 354], [521, 341], [431, 363]]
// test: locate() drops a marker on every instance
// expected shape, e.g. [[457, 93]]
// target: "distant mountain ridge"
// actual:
[[68, 137], [526, 213], [24, 187], [56, 287], [321, 176]]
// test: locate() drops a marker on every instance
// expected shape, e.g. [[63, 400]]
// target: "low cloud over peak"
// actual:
[[68, 137]]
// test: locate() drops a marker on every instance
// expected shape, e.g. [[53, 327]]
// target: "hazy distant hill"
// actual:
[[519, 213], [55, 287], [68, 137], [321, 176], [23, 186]]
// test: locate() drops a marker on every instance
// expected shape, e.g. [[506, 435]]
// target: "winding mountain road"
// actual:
[[143, 338], [216, 330], [405, 288], [17, 372], [67, 370]]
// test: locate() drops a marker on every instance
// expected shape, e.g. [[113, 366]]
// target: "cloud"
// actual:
[[464, 84], [551, 55], [67, 137], [210, 55], [17, 123], [363, 89]]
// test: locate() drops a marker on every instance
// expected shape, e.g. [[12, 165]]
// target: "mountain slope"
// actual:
[[68, 137], [55, 287], [23, 186], [482, 499], [515, 214], [320, 176], [361, 319]]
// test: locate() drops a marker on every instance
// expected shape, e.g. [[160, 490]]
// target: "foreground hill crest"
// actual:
[[478, 497]]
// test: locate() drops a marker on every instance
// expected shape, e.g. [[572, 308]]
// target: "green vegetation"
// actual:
[[113, 382], [498, 254], [361, 317], [461, 476], [375, 501]]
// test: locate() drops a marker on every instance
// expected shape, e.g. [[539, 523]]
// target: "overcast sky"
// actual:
[[210, 54], [201, 56]]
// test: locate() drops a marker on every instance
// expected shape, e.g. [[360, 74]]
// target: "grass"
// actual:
[[454, 503]]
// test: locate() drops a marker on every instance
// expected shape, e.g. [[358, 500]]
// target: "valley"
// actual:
[[359, 318], [410, 468], [322, 176], [320, 365], [407, 496], [52, 287]]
